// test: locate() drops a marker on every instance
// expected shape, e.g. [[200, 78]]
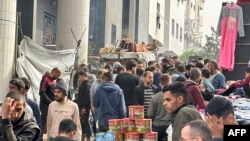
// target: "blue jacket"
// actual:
[[219, 81], [36, 112], [110, 102]]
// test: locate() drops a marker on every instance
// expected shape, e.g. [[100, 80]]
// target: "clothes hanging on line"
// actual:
[[229, 25], [242, 1]]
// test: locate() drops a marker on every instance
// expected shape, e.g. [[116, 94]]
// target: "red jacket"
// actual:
[[244, 82], [194, 94]]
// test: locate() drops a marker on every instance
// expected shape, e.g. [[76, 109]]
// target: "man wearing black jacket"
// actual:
[[17, 125], [144, 91], [83, 102]]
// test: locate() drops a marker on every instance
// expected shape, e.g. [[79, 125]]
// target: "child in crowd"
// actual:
[[239, 83], [207, 89]]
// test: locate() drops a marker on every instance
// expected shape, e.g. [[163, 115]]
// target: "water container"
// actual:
[[109, 136], [100, 136]]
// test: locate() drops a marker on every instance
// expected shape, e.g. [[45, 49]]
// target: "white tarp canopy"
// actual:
[[35, 60]]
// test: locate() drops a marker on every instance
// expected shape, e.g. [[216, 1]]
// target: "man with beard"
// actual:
[[127, 81], [17, 125], [144, 91], [62, 108], [217, 79], [165, 65], [46, 93]]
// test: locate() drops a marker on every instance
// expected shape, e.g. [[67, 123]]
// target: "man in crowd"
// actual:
[[17, 125], [219, 112], [193, 89], [127, 81], [83, 102], [165, 65], [32, 104], [110, 101], [144, 91], [17, 84], [62, 108], [67, 131], [156, 111], [196, 130], [46, 93], [94, 86], [175, 102], [217, 79]]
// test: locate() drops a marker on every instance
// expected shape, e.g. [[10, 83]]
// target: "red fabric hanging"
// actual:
[[242, 1]]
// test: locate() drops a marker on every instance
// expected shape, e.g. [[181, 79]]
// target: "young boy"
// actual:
[[238, 84], [208, 92]]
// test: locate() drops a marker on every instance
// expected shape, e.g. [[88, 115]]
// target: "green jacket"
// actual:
[[25, 129], [157, 111], [181, 116]]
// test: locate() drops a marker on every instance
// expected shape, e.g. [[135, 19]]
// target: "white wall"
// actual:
[[153, 31], [113, 16], [143, 25], [176, 13]]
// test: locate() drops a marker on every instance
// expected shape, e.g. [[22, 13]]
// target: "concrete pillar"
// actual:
[[73, 14], [132, 6], [7, 43]]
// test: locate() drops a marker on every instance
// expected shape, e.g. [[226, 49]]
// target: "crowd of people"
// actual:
[[172, 93]]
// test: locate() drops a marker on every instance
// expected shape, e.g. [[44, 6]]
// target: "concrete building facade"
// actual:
[[135, 17], [105, 23], [193, 23], [7, 43], [156, 21], [174, 26], [46, 22]]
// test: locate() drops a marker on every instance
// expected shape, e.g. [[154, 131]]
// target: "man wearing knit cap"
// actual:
[[62, 108]]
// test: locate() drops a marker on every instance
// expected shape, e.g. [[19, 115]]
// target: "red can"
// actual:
[[118, 137], [115, 125], [128, 125], [150, 136], [136, 112], [132, 136], [143, 126]]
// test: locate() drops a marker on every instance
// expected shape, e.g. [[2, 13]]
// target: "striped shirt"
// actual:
[[148, 94]]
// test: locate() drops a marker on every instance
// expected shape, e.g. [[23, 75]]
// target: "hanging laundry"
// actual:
[[229, 25], [242, 1]]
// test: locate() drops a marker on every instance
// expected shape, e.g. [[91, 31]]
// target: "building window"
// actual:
[[194, 7], [177, 30], [113, 35], [49, 29], [191, 5], [158, 24], [181, 34], [158, 7], [173, 29]]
